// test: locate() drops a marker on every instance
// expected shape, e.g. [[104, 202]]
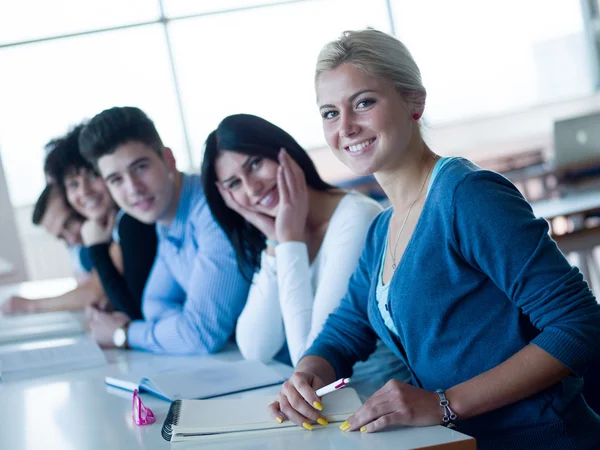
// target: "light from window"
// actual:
[[261, 62], [48, 87], [25, 20], [487, 58]]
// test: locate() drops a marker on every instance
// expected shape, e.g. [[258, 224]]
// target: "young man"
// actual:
[[52, 212], [195, 292]]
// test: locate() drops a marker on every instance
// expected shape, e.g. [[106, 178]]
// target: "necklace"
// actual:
[[393, 252]]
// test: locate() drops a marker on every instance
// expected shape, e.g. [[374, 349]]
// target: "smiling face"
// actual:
[[365, 120], [61, 221], [87, 194], [250, 179], [141, 182]]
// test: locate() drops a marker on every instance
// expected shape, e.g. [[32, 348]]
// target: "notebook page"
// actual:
[[38, 326], [29, 359], [251, 413], [213, 380]]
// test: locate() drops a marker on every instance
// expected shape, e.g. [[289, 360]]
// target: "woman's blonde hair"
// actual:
[[377, 54]]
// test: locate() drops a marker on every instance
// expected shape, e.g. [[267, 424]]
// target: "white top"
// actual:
[[290, 298]]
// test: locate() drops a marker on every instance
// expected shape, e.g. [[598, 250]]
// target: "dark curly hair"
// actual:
[[64, 158]]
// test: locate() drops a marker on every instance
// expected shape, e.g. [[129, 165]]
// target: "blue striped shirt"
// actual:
[[195, 291]]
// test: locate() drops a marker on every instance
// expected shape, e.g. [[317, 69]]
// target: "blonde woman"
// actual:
[[458, 278]]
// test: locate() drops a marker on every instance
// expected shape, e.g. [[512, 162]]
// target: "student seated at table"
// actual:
[[458, 277], [195, 293], [297, 237], [121, 248], [53, 213]]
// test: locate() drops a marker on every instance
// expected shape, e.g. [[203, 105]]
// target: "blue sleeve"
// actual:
[[347, 335], [205, 319], [496, 231]]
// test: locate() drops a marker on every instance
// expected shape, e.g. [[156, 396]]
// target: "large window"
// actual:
[[51, 86], [483, 58], [263, 64], [189, 63]]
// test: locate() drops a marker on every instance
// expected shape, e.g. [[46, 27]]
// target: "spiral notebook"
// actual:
[[211, 419]]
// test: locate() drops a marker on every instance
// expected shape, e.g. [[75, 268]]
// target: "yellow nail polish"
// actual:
[[279, 419], [322, 421], [363, 429], [345, 426], [307, 425], [318, 406]]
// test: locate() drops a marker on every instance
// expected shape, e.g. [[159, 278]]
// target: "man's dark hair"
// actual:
[[250, 135], [114, 127], [41, 205], [63, 157]]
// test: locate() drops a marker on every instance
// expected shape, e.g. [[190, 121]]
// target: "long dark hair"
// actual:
[[250, 135]]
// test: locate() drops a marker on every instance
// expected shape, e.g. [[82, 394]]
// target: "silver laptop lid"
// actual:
[[577, 143]]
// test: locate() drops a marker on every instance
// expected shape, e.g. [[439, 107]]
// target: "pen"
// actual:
[[332, 387]]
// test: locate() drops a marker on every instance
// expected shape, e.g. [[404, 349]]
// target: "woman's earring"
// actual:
[[416, 116]]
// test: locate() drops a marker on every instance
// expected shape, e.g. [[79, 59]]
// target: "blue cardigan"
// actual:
[[479, 280]]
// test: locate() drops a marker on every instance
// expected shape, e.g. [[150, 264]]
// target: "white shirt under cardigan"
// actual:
[[291, 298]]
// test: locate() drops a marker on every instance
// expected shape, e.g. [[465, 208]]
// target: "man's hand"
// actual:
[[103, 325], [18, 305]]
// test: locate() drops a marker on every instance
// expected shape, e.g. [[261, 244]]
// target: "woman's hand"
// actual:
[[94, 232], [264, 223], [298, 402], [290, 223], [396, 403]]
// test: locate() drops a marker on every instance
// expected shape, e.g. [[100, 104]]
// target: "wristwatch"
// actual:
[[120, 337]]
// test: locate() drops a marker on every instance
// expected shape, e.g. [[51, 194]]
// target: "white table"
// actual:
[[574, 203], [78, 411], [583, 241]]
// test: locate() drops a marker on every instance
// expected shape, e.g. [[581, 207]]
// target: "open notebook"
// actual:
[[45, 357], [209, 379], [38, 326], [210, 419]]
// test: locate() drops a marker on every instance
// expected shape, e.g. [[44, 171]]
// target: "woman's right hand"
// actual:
[[264, 223], [298, 402]]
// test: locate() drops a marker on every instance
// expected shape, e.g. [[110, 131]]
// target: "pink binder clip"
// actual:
[[141, 414]]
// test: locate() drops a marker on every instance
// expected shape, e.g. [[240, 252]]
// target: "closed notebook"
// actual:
[[209, 379], [38, 326], [45, 357], [211, 419]]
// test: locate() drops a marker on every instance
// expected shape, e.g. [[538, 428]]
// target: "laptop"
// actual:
[[577, 145]]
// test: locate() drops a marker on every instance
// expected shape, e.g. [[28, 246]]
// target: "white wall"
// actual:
[[12, 262]]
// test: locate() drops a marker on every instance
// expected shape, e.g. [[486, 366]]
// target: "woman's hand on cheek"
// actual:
[[396, 403], [264, 223], [290, 223]]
